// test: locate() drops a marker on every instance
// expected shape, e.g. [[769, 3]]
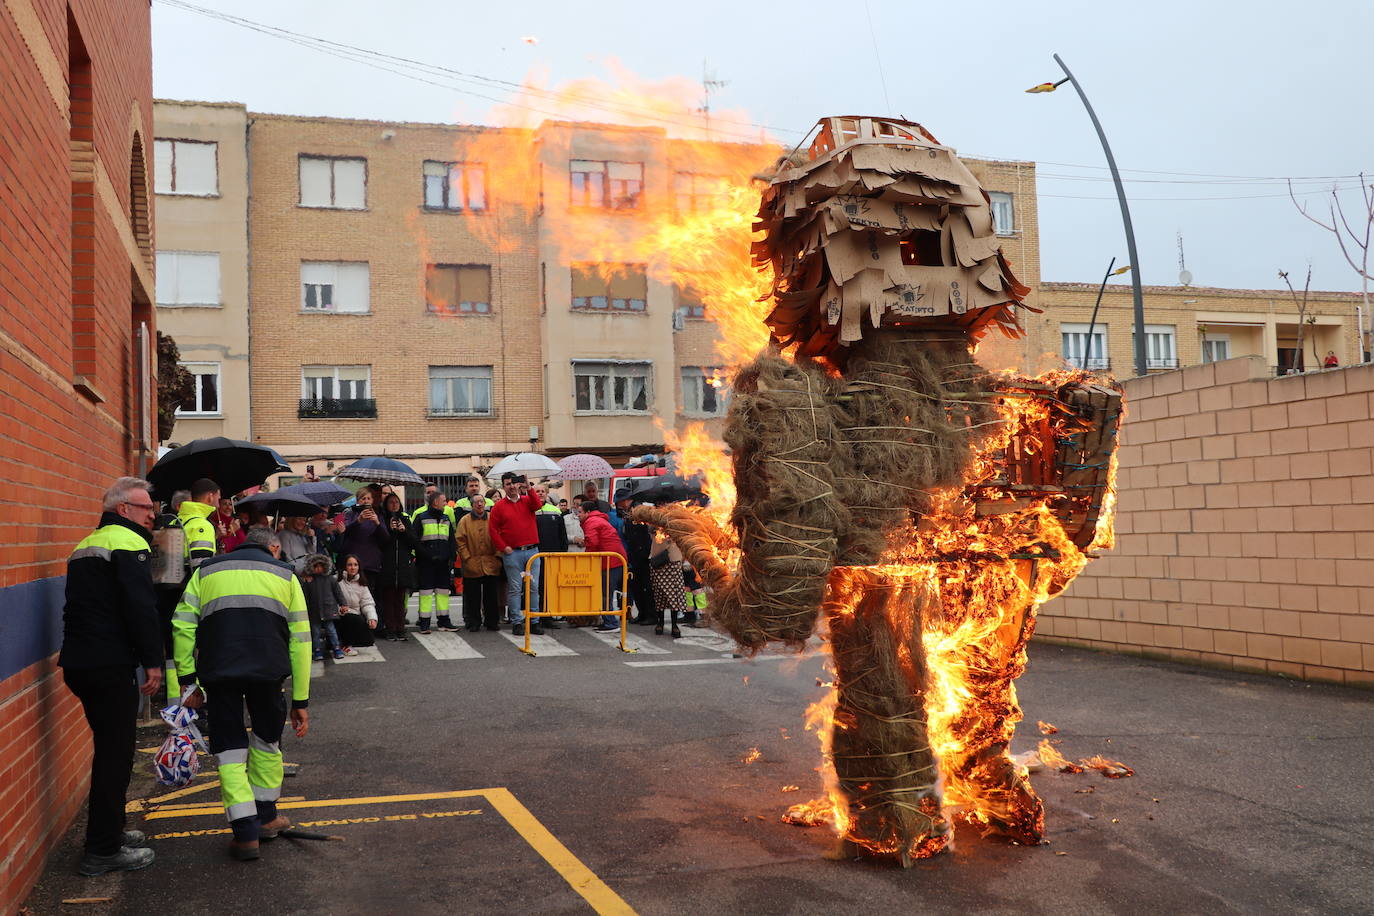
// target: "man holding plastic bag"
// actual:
[[239, 631]]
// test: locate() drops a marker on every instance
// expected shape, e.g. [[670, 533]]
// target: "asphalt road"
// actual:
[[1250, 795]]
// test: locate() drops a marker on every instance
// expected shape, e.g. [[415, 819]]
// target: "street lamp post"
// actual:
[[1140, 358], [1092, 324]]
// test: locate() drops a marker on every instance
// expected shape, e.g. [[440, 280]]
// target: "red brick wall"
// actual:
[[59, 448]]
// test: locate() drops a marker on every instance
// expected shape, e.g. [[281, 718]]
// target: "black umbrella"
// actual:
[[323, 493], [669, 488], [233, 464], [280, 503]]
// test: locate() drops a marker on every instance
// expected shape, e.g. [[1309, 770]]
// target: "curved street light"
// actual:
[[1141, 366]]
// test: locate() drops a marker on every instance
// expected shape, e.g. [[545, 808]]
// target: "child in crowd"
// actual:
[[358, 616], [324, 599]]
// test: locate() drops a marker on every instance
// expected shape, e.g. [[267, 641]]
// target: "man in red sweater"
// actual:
[[516, 538], [599, 536]]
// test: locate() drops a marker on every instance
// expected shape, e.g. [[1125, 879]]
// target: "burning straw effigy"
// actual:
[[893, 491]]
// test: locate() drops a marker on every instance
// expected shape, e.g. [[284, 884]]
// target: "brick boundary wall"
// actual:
[[1245, 526], [75, 281]]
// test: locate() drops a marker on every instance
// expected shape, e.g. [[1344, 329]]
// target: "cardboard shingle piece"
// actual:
[[885, 228]]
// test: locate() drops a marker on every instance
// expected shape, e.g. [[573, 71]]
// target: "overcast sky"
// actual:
[[1252, 90]]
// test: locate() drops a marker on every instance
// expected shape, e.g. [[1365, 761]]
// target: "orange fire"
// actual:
[[980, 584]]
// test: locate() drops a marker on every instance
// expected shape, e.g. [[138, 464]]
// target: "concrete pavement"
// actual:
[[1250, 795]]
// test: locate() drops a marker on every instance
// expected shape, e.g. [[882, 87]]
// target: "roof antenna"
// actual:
[[1185, 276], [709, 84]]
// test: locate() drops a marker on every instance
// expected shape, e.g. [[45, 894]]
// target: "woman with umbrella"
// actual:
[[397, 577], [365, 537]]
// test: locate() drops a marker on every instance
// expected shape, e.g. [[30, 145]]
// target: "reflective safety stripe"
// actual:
[[201, 545], [191, 598], [186, 617], [232, 756], [257, 744], [435, 537], [241, 809], [82, 553], [297, 616], [303, 636], [243, 601], [266, 793], [246, 566]]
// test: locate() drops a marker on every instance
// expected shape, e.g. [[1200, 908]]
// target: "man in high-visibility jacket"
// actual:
[[470, 489], [244, 615], [435, 551], [110, 628], [202, 543], [430, 490]]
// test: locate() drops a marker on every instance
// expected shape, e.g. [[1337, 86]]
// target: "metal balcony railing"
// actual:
[[1091, 363], [1158, 362], [337, 408]]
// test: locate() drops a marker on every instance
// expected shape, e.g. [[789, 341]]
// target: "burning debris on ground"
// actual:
[[888, 489]]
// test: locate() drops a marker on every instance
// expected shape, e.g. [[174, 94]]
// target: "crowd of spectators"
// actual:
[[359, 567]]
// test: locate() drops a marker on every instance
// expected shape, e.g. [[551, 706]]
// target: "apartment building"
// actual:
[[446, 293], [200, 157], [1188, 326]]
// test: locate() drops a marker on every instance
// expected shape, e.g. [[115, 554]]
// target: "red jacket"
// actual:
[[600, 536], [512, 522]]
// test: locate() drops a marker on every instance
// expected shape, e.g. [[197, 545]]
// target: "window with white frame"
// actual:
[[188, 278], [610, 287], [1080, 352], [186, 167], [689, 302], [1216, 347], [612, 185], [696, 193], [458, 289], [1160, 349], [704, 393], [612, 386], [1003, 213], [335, 286], [205, 401], [455, 185], [336, 183], [460, 391], [344, 383]]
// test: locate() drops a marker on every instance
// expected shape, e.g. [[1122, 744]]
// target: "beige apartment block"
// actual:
[[445, 294], [1189, 326], [1245, 525], [365, 298], [1010, 186], [200, 163]]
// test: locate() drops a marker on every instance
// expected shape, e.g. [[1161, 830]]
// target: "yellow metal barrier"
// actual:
[[577, 585]]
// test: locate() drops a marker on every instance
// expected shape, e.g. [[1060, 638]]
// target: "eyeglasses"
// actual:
[[146, 506]]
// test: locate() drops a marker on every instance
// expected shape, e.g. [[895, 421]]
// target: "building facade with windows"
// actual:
[[442, 293], [200, 161], [395, 311], [1188, 326]]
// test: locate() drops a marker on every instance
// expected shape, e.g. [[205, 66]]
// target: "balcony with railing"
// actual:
[[1161, 362], [1090, 363], [337, 409]]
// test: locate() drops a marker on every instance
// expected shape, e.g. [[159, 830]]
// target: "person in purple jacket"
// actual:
[[364, 536]]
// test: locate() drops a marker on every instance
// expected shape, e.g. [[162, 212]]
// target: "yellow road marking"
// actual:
[[582, 879], [329, 803], [139, 804]]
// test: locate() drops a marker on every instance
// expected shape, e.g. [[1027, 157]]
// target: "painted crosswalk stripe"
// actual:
[[632, 642], [365, 654], [541, 645], [721, 660], [711, 642], [447, 646], [316, 670]]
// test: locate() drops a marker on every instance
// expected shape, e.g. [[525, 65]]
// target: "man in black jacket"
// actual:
[[110, 628]]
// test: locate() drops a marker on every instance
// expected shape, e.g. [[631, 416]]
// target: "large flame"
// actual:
[[980, 585]]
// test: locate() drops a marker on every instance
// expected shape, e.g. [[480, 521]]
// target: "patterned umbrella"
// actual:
[[585, 467], [380, 470]]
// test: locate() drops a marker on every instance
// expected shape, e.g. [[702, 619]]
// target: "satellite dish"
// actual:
[[1185, 278]]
